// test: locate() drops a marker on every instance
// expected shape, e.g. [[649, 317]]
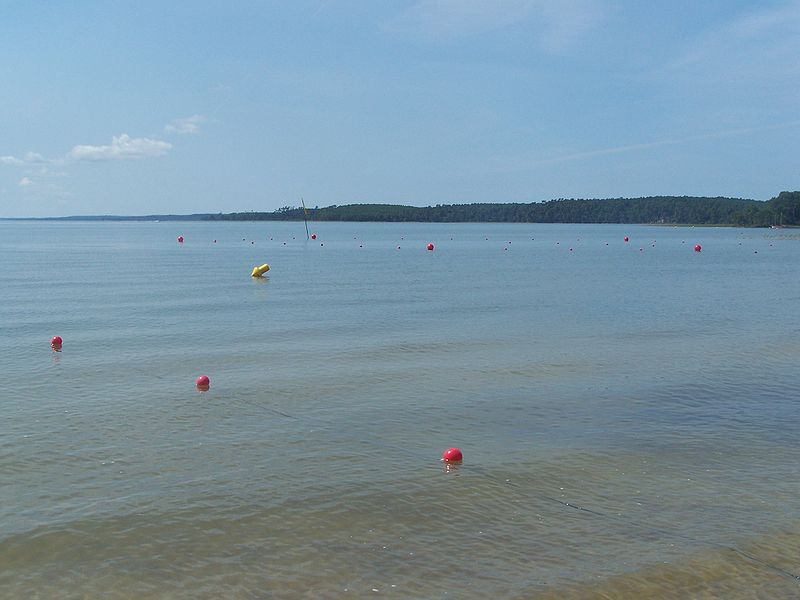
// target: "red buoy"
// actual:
[[56, 342], [313, 236], [697, 247], [430, 246], [452, 455], [203, 382], [626, 238], [180, 239]]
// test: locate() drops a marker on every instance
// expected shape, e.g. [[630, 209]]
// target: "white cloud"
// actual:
[[122, 147], [556, 24], [24, 182], [185, 125]]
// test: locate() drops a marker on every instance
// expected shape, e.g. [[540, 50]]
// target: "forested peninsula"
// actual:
[[783, 210]]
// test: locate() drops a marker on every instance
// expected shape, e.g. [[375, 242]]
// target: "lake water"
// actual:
[[628, 412]]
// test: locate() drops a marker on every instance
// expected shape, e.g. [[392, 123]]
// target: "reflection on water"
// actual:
[[628, 419]]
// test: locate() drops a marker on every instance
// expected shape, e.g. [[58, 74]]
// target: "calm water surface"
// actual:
[[628, 412]]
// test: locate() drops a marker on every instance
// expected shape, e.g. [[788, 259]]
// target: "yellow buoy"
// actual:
[[259, 271]]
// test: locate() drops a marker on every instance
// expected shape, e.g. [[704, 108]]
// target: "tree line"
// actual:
[[784, 209]]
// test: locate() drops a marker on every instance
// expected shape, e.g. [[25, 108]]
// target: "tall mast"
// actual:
[[305, 218]]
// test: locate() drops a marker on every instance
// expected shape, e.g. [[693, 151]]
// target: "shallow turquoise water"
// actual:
[[627, 411]]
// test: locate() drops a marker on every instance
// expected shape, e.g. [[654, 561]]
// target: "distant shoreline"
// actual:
[[179, 219], [781, 211]]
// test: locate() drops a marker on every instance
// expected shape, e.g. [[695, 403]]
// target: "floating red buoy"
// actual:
[[626, 238], [180, 239], [452, 455], [430, 246], [313, 236], [56, 342], [203, 382], [697, 247]]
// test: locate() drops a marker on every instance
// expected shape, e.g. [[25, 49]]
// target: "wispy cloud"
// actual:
[[186, 125], [555, 24], [434, 19], [756, 46], [654, 144], [122, 147], [25, 182], [566, 22], [34, 158], [31, 158]]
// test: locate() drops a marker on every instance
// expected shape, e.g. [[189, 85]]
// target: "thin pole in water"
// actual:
[[305, 218]]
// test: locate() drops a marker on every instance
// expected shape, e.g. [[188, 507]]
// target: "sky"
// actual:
[[152, 107]]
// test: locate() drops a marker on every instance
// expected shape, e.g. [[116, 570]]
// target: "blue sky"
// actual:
[[201, 106]]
